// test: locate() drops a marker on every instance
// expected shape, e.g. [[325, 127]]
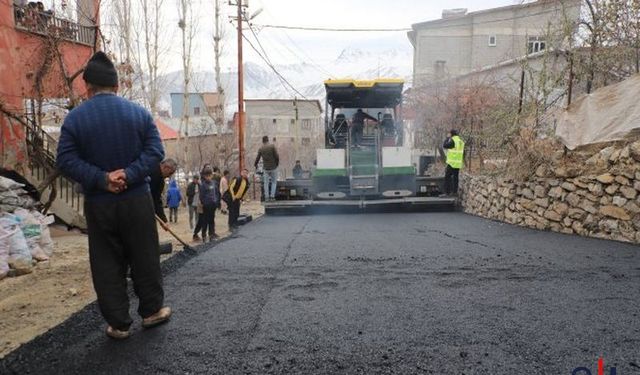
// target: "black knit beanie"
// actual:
[[100, 71]]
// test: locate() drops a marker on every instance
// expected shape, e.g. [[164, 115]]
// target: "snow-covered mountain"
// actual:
[[260, 81]]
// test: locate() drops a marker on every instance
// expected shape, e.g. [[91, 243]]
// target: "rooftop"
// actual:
[[166, 132]]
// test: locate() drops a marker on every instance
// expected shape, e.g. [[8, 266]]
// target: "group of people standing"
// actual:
[[214, 191]]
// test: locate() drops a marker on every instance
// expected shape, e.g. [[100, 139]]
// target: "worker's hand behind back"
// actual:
[[117, 181]]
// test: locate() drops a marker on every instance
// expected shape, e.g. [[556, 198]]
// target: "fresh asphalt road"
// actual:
[[399, 293]]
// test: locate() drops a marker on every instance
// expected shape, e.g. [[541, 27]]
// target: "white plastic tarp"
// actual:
[[608, 114]]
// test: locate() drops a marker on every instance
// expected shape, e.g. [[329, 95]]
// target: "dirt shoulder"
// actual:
[[32, 304]]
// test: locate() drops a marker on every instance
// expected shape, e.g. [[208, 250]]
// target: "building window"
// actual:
[[293, 121], [306, 141], [536, 44], [492, 41], [306, 124], [196, 111], [439, 68]]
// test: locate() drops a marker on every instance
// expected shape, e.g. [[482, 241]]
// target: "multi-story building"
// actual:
[[205, 138], [296, 125], [203, 111], [461, 42], [42, 52]]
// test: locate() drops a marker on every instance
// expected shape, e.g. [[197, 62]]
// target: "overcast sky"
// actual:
[[322, 48]]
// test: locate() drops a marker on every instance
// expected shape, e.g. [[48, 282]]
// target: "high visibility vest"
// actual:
[[456, 154]]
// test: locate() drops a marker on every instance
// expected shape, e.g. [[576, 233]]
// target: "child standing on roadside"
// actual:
[[210, 200]]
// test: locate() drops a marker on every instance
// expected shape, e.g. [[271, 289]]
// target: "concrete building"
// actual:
[[461, 42], [203, 108], [204, 140], [296, 125], [199, 104]]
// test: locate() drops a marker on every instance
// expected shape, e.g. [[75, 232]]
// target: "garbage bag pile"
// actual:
[[24, 232]]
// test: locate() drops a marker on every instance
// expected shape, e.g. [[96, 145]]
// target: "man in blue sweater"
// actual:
[[110, 145]]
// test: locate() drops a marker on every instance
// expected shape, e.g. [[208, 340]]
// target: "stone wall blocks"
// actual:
[[628, 192], [615, 212], [541, 191], [542, 202], [552, 215], [576, 213], [605, 178], [619, 201], [573, 199], [622, 180], [632, 207], [611, 189], [609, 225], [634, 150]]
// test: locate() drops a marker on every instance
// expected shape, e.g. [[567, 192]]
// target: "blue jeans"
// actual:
[[270, 177]]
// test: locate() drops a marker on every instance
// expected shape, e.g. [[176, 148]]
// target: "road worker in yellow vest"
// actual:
[[454, 146], [238, 187]]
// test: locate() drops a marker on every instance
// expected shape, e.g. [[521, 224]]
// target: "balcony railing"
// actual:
[[45, 23]]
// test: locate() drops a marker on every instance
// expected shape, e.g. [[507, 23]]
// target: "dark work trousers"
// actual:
[[123, 234], [234, 212], [173, 214], [198, 223], [208, 220], [356, 134], [451, 180]]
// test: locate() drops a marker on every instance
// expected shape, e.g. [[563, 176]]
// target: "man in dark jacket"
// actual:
[[357, 125], [297, 170], [238, 187], [110, 145], [192, 190], [164, 170], [270, 161]]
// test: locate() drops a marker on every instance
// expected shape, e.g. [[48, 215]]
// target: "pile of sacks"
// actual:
[[24, 232]]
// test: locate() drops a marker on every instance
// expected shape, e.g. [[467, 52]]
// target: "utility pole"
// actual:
[[240, 93], [296, 125]]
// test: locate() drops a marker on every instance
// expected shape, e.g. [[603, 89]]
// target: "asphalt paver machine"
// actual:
[[364, 164]]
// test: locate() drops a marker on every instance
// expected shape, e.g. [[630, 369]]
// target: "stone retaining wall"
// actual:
[[605, 204]]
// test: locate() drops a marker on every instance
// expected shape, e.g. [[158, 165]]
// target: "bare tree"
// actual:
[[121, 45], [139, 38], [153, 34], [610, 31], [218, 36], [188, 27]]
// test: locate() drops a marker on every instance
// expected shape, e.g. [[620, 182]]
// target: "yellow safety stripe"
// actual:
[[362, 83]]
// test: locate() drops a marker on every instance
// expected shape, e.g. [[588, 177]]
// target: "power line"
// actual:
[[306, 59], [308, 28], [329, 28], [295, 45], [283, 81], [268, 62], [265, 58]]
